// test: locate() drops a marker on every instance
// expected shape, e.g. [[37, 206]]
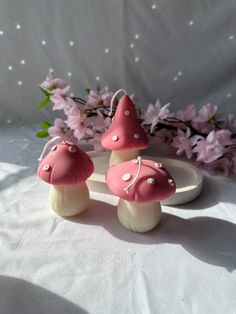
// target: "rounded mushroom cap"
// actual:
[[66, 164], [125, 131], [154, 182]]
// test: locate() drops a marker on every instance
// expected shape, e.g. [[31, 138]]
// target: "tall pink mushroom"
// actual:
[[67, 168], [141, 185], [125, 136]]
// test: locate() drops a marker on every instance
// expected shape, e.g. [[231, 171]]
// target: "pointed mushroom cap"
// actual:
[[154, 182], [66, 164], [125, 131]]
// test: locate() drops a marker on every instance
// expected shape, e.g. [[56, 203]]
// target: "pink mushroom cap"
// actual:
[[125, 131], [65, 164], [154, 182]]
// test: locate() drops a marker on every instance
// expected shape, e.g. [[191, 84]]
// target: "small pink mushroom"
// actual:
[[67, 168], [125, 136], [141, 185]]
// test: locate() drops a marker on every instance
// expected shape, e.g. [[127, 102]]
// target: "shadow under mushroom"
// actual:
[[20, 296], [209, 239]]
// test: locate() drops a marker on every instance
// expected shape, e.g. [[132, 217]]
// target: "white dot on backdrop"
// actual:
[[175, 78], [22, 61], [97, 78], [71, 43], [131, 45], [136, 36], [136, 59], [9, 121], [10, 68], [229, 95], [72, 95], [18, 26], [69, 73], [231, 37], [154, 6], [1, 32], [180, 73], [51, 70], [19, 83], [190, 23], [106, 50], [43, 42]]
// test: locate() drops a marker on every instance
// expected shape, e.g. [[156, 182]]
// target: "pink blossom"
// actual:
[[220, 166], [231, 123], [99, 122], [52, 83], [77, 121], [207, 113], [183, 143], [164, 136], [96, 142], [154, 113], [60, 128], [101, 97], [60, 99], [188, 114], [212, 147]]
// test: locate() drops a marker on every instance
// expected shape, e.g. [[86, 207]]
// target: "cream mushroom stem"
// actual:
[[119, 156], [139, 217], [135, 216], [69, 200]]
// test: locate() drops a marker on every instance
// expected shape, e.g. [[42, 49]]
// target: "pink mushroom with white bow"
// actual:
[[125, 136], [66, 168], [141, 185]]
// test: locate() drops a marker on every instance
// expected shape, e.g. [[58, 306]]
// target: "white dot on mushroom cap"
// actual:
[[18, 26], [46, 167], [136, 135], [19, 83], [72, 149], [1, 33], [71, 43], [136, 59], [151, 181], [131, 45], [43, 42], [10, 68], [115, 138], [54, 147], [171, 182], [136, 36], [126, 177], [106, 50], [127, 112], [158, 165], [22, 62], [190, 23], [231, 37]]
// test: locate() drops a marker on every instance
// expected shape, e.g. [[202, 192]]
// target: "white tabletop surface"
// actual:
[[91, 264]]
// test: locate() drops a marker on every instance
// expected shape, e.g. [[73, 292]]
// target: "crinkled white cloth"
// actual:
[[91, 264]]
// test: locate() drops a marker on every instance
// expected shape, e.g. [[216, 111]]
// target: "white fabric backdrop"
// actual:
[[183, 51]]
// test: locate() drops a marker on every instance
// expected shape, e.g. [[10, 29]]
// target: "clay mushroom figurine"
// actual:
[[141, 185], [66, 168], [125, 136]]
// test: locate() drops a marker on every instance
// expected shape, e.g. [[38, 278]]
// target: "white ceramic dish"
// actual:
[[187, 177]]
